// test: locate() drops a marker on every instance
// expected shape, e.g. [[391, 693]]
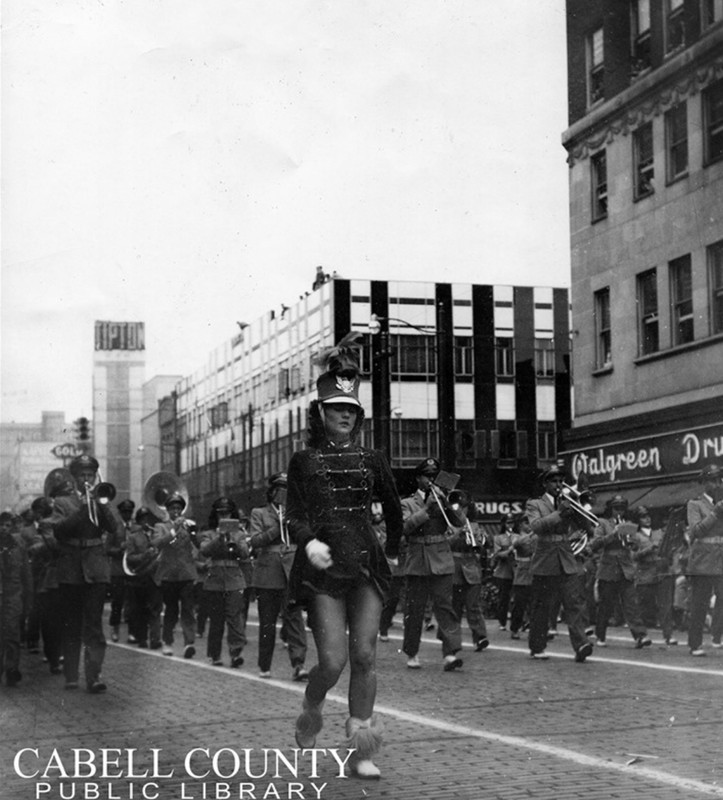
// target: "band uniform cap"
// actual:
[[617, 500], [175, 499], [126, 505], [278, 479], [711, 471], [82, 463], [641, 511], [430, 466], [554, 472], [144, 513], [333, 387]]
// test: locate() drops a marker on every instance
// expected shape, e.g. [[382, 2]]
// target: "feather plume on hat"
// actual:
[[342, 358]]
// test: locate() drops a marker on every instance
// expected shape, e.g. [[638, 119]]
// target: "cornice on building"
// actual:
[[650, 95]]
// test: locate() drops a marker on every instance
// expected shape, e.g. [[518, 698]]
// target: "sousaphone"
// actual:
[[159, 487]]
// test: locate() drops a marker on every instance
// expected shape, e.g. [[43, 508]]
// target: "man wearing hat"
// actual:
[[116, 548], [79, 526], [616, 541], [273, 558], [648, 573], [145, 601], [429, 569], [554, 568], [705, 561], [176, 541]]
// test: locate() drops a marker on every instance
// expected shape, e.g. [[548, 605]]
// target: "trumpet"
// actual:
[[575, 500], [99, 494]]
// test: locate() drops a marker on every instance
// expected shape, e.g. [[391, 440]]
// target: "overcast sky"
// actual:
[[189, 163]]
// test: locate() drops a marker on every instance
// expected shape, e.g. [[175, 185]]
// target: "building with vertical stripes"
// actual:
[[476, 375]]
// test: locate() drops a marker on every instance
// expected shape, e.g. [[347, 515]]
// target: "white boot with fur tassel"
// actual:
[[308, 724], [365, 737]]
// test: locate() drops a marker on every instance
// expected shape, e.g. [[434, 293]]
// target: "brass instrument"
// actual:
[[626, 533], [283, 525], [159, 487], [101, 493], [442, 488], [575, 498]]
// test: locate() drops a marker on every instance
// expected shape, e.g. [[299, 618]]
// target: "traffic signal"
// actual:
[[82, 432]]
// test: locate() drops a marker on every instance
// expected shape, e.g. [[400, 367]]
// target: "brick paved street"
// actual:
[[504, 727]]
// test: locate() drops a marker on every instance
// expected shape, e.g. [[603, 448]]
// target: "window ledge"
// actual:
[[606, 370], [681, 348]]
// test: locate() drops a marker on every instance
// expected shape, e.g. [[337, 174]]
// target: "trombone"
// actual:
[[575, 500], [100, 494]]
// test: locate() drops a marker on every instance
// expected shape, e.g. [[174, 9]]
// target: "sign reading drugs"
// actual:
[[677, 453], [120, 335]]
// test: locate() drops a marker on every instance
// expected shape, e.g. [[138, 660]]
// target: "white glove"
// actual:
[[318, 554]]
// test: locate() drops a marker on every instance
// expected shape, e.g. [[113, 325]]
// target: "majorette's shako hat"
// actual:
[[429, 467], [278, 479], [711, 472], [81, 463], [339, 382]]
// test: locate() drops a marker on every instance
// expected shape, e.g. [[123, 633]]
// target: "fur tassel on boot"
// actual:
[[308, 724], [365, 737]]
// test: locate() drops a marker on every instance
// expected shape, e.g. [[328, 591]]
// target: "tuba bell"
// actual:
[[159, 487]]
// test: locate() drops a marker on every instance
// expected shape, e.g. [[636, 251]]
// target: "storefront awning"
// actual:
[[664, 496]]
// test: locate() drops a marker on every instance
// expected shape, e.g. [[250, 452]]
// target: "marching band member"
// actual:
[[646, 560], [615, 573], [78, 525], [429, 568], [466, 543], [555, 571], [273, 558], [115, 547], [15, 591], [705, 561], [224, 545], [177, 542], [503, 562], [340, 571], [145, 600], [524, 541]]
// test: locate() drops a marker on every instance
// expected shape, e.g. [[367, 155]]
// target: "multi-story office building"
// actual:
[[645, 145], [118, 375], [477, 375]]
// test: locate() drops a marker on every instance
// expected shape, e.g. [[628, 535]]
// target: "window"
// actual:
[[715, 264], [648, 312], [603, 341], [546, 444], [464, 443], [463, 365], [641, 36], [505, 356], [643, 160], [711, 12], [713, 115], [545, 358], [413, 355], [595, 68], [674, 25], [681, 299], [412, 440], [599, 182], [503, 444], [676, 141]]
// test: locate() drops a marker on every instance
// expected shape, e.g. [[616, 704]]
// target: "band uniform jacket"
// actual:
[[272, 557], [225, 554], [428, 550], [616, 559], [553, 553], [705, 531], [645, 557], [524, 544], [81, 545], [177, 560], [503, 556], [467, 564], [141, 555]]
